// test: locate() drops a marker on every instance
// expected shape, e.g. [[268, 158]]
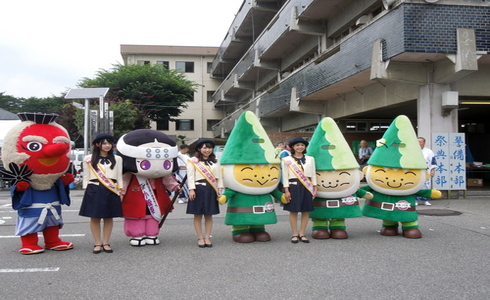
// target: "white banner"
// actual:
[[450, 154]]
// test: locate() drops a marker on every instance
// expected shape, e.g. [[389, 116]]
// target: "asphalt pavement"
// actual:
[[450, 261]]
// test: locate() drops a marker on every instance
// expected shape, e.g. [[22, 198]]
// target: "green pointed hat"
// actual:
[[330, 149], [248, 143], [399, 147]]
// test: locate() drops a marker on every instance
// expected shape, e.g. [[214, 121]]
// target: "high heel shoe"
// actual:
[[201, 245], [97, 251], [107, 250], [206, 244]]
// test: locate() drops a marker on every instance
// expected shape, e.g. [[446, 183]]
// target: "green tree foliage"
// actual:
[[125, 116], [68, 119], [9, 103], [46, 105], [155, 92], [58, 105]]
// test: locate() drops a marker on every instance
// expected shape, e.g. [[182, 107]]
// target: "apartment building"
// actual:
[[195, 63], [361, 62]]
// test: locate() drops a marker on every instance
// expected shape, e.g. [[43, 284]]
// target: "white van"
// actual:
[[77, 158]]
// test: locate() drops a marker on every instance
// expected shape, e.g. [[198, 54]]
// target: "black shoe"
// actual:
[[208, 245], [201, 246], [107, 250], [97, 251], [304, 239], [294, 239]]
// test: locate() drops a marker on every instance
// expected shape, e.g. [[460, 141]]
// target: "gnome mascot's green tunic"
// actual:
[[250, 176], [338, 178], [395, 174]]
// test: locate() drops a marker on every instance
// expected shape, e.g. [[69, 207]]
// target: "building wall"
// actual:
[[201, 111]]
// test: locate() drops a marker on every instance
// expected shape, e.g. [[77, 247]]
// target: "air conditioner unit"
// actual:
[[387, 3], [362, 20]]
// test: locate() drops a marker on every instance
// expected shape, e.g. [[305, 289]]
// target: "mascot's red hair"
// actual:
[[36, 157]]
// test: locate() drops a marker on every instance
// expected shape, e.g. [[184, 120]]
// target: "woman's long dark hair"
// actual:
[[96, 155], [212, 156]]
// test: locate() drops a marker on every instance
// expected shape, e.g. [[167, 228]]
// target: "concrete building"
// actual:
[[195, 63], [361, 62]]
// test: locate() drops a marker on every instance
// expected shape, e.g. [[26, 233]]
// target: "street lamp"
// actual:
[[87, 94]]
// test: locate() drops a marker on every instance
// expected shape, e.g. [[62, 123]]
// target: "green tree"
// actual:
[[155, 92], [51, 104], [68, 119], [9, 103], [125, 115], [15, 105]]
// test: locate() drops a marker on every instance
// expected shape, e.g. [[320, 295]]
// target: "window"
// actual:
[[184, 66], [163, 125], [209, 66], [184, 124], [211, 123], [164, 64], [379, 127], [210, 96], [356, 126], [143, 62]]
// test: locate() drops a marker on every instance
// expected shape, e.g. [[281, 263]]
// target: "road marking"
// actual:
[[63, 211], [29, 270], [61, 235]]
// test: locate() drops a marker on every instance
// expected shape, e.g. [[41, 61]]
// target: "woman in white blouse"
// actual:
[[102, 174], [300, 187], [203, 179]]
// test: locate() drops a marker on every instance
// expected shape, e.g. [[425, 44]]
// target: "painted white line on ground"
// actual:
[[29, 270], [63, 211], [61, 235]]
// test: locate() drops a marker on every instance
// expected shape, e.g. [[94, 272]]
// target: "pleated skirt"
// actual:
[[99, 202], [301, 198], [206, 202]]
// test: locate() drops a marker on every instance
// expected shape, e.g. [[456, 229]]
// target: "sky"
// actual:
[[47, 47]]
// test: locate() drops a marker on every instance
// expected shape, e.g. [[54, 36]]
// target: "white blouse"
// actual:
[[194, 175], [115, 174], [309, 170]]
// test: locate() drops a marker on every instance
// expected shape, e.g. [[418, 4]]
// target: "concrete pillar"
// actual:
[[430, 115]]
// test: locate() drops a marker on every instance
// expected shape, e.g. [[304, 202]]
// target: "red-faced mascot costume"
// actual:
[[36, 157], [149, 159]]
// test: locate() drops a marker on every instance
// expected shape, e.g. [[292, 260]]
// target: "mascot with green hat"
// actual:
[[251, 173], [338, 178], [395, 174]]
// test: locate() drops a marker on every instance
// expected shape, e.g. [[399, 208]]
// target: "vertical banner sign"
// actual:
[[450, 154], [457, 160], [94, 128], [111, 122]]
